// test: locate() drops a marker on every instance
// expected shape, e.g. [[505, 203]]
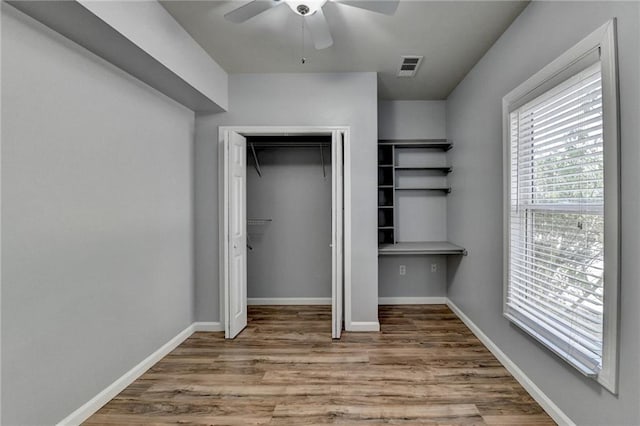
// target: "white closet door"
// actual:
[[337, 240], [235, 150]]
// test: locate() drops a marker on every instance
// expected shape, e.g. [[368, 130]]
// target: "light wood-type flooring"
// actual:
[[424, 367]]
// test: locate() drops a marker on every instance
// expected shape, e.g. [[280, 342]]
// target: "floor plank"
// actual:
[[424, 367]]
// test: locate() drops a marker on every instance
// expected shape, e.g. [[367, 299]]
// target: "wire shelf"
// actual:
[[257, 222]]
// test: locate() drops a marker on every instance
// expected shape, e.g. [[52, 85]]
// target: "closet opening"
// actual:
[[289, 231], [283, 209]]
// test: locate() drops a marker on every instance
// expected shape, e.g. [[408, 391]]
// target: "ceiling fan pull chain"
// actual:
[[303, 60]]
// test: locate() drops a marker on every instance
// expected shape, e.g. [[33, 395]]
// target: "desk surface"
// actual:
[[424, 247]]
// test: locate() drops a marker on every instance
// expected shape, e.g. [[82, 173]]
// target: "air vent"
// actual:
[[409, 65]]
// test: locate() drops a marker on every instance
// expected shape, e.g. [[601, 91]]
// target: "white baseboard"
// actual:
[[412, 301], [289, 301], [536, 393], [363, 326], [208, 326], [98, 401]]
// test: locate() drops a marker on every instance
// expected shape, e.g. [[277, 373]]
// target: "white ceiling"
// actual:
[[452, 36]]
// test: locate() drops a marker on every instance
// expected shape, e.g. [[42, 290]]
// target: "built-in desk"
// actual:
[[425, 247]]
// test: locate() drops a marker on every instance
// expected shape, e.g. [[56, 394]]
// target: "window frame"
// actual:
[[564, 67]]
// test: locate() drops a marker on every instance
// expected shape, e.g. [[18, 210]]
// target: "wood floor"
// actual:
[[424, 367]]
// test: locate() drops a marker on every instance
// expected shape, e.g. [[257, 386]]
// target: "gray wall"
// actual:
[[332, 99], [539, 35], [421, 216], [412, 119], [418, 280], [96, 220], [291, 256]]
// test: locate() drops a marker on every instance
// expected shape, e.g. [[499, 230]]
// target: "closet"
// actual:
[[289, 199], [283, 229]]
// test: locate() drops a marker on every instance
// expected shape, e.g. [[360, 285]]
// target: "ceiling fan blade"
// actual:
[[387, 7], [251, 9], [319, 30]]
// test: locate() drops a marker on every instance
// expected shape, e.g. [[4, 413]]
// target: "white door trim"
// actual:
[[223, 199], [337, 239]]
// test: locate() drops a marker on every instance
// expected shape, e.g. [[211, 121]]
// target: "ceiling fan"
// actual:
[[311, 11]]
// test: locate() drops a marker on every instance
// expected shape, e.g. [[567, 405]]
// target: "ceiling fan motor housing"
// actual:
[[305, 7]]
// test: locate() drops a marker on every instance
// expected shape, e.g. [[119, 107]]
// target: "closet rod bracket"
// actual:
[[255, 160], [324, 172]]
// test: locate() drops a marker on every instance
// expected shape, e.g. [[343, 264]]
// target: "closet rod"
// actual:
[[273, 145], [264, 145]]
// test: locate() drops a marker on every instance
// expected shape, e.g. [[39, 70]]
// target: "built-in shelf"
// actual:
[[386, 236], [385, 227], [423, 247], [385, 207], [442, 144], [444, 189], [385, 186], [444, 169]]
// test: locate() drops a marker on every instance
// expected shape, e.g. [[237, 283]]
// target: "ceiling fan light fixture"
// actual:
[[305, 7], [302, 9]]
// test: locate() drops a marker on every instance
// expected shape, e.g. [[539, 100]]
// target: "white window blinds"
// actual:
[[556, 222]]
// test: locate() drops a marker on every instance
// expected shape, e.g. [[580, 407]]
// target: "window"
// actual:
[[561, 207]]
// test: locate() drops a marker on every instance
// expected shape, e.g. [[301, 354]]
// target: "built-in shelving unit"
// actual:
[[397, 176], [386, 195]]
